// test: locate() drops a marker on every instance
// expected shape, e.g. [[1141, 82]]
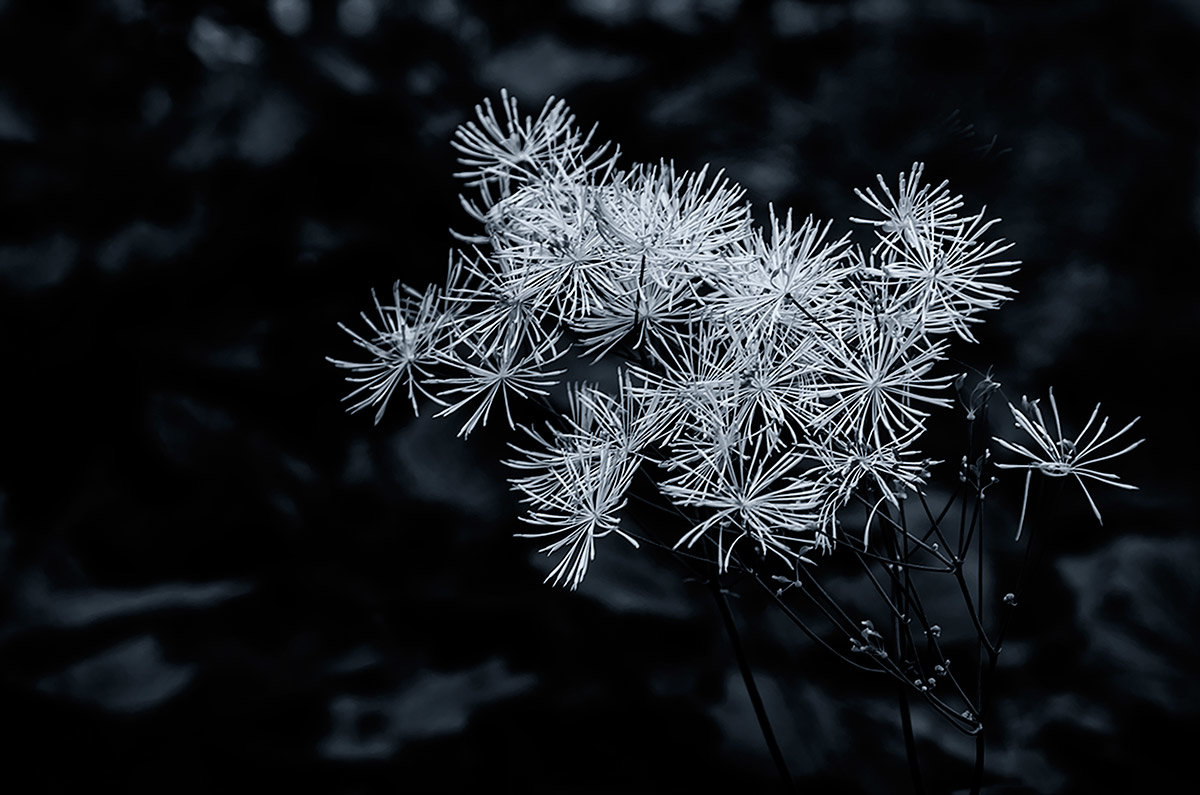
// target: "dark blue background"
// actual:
[[212, 578]]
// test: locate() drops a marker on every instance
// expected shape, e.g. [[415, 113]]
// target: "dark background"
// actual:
[[213, 578]]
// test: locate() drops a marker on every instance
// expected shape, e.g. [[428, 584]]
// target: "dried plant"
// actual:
[[772, 387]]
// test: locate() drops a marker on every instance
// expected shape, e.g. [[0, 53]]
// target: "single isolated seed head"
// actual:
[[1051, 453]]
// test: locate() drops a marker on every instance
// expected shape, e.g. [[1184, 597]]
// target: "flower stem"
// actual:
[[985, 676], [899, 616], [910, 741], [980, 748], [760, 712]]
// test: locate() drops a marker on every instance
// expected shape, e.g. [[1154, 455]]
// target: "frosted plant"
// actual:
[[875, 379], [847, 462], [950, 279], [770, 388], [746, 492], [916, 212], [790, 278], [1056, 456], [508, 150], [501, 372], [403, 347], [633, 306], [663, 223], [579, 497], [553, 243]]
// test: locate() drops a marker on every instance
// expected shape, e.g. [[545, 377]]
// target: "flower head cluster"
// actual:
[[766, 377]]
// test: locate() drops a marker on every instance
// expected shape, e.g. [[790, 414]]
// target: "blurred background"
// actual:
[[212, 577]]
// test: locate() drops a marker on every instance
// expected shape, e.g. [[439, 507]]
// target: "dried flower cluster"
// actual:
[[770, 375]]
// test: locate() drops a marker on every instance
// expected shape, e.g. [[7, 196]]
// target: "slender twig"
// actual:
[[760, 712], [792, 616], [985, 678], [886, 517], [914, 566], [910, 741], [899, 578], [918, 608]]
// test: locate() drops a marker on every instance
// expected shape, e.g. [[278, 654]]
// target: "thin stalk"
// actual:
[[985, 679], [760, 711], [984, 641], [935, 527], [886, 518], [947, 569], [808, 631], [919, 609], [910, 741], [899, 629]]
